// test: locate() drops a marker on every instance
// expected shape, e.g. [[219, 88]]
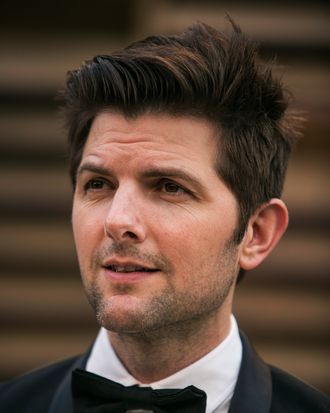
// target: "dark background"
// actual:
[[282, 306]]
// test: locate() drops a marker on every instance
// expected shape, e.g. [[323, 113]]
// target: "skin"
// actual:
[[148, 197]]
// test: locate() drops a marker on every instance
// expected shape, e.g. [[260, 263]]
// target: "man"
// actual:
[[178, 151]]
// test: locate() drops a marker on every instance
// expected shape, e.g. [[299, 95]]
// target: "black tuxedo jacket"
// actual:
[[260, 389]]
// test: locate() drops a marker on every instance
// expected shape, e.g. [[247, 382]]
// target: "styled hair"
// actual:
[[204, 73]]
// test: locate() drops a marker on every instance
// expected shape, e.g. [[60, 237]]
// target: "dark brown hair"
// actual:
[[204, 73]]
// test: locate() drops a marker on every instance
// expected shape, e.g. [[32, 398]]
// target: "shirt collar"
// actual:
[[216, 373]]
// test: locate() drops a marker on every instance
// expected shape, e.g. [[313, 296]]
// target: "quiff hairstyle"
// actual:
[[204, 73]]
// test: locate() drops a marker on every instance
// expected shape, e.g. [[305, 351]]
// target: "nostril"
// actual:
[[122, 229], [130, 234]]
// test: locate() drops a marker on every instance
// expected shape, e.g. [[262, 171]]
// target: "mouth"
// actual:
[[127, 272], [128, 268]]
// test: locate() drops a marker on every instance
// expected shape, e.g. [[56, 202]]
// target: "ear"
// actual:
[[265, 228]]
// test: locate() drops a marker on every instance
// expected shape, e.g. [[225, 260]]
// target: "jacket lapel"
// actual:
[[62, 399], [253, 389]]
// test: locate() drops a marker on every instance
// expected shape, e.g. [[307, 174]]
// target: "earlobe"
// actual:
[[264, 230]]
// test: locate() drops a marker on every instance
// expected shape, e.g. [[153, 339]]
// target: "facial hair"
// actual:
[[167, 310]]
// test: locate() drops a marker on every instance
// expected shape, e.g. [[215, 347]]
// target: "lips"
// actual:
[[128, 268], [126, 272]]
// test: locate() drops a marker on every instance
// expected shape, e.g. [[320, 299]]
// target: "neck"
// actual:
[[155, 355]]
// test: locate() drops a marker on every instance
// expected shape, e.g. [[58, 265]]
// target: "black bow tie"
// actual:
[[95, 394]]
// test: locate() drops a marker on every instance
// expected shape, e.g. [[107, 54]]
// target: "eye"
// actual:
[[170, 187], [94, 184]]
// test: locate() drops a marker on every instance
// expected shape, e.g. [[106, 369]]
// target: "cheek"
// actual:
[[198, 240], [187, 244], [87, 228]]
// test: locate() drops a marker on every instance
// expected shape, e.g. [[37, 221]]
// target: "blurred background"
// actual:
[[44, 316]]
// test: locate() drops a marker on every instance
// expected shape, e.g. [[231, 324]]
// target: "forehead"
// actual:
[[151, 135]]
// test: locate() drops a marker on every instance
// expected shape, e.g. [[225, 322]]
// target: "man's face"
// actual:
[[153, 223]]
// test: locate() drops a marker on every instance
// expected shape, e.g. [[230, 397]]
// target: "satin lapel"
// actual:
[[62, 400], [253, 389]]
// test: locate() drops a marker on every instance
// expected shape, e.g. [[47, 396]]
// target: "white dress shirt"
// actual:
[[216, 373]]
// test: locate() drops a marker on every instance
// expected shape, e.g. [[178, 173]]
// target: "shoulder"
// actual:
[[33, 391], [263, 388], [292, 395]]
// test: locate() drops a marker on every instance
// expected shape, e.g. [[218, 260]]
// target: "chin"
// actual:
[[123, 315]]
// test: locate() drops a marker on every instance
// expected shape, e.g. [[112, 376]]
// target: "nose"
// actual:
[[123, 219]]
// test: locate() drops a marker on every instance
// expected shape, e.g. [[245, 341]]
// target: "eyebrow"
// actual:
[[90, 167], [174, 173], [157, 172]]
